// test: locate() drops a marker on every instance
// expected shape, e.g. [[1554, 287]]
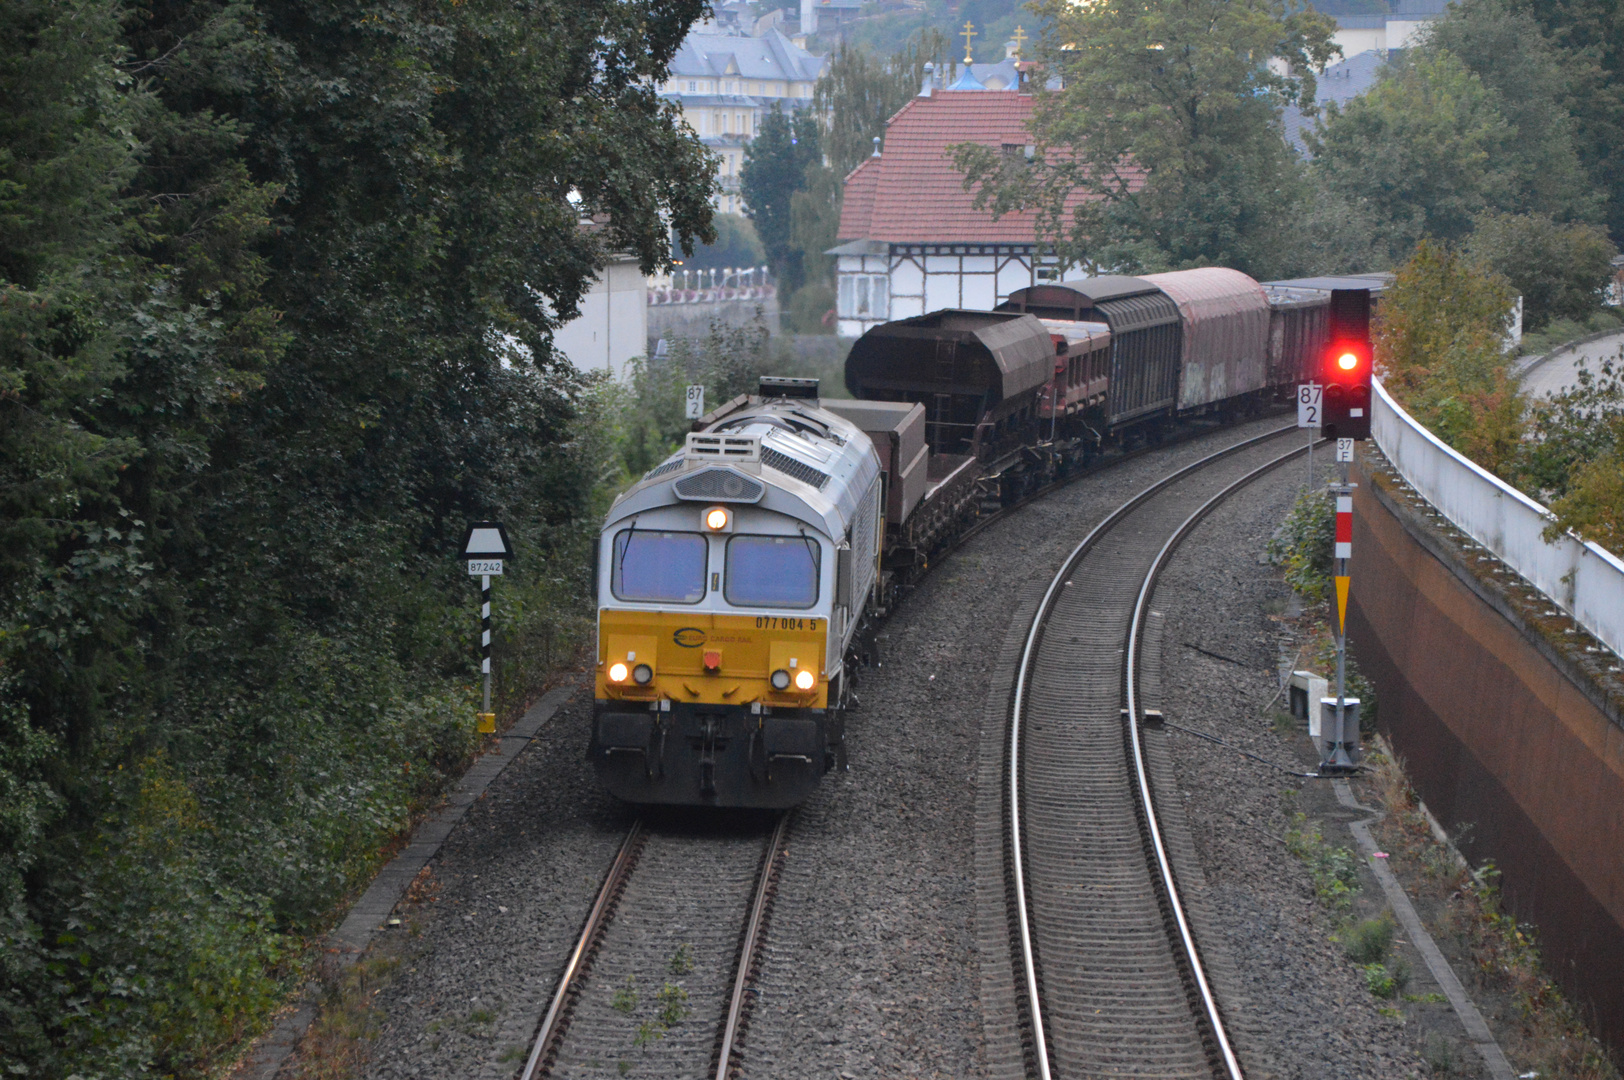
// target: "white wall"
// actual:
[[1585, 580], [613, 324], [941, 278], [1354, 42]]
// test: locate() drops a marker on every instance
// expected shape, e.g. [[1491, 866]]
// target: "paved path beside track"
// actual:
[[1560, 368]]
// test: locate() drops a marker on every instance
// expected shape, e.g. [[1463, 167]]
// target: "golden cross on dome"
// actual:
[[1020, 40], [969, 32]]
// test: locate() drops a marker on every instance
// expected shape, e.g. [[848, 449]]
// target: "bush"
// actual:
[[1560, 270], [1440, 349], [1367, 942], [1305, 544]]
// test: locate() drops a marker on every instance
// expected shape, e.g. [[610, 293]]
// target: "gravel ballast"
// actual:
[[872, 964]]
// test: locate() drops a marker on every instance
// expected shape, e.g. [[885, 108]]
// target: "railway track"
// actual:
[[691, 910], [1112, 978], [673, 938]]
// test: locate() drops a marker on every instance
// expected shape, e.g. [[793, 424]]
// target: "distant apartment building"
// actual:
[[724, 83], [1396, 29]]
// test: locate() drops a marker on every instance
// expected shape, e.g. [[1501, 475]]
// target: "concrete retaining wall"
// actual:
[[1507, 743]]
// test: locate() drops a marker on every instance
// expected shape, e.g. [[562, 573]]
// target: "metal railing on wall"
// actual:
[[1584, 580]]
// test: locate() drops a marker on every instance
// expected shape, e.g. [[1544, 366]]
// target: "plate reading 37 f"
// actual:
[[1344, 449], [481, 567], [1309, 412]]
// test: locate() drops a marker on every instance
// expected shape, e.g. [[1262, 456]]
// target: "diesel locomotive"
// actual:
[[736, 579]]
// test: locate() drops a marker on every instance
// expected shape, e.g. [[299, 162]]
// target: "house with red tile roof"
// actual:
[[913, 240]]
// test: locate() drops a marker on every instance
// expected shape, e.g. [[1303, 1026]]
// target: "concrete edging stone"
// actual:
[[366, 918]]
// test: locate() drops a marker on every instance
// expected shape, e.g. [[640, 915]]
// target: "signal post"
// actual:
[[484, 546], [1346, 371]]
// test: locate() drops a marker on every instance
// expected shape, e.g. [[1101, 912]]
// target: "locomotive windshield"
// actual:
[[772, 571], [667, 567]]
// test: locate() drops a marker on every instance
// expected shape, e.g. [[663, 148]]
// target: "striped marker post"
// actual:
[[485, 648], [484, 546], [1341, 750]]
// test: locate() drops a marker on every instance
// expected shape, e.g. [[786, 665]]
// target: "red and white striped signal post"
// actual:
[[1339, 716], [485, 545], [1347, 369]]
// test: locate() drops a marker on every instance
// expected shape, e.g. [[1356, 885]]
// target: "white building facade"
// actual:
[[725, 82], [613, 324]]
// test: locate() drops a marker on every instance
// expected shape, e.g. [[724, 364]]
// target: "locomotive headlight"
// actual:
[[804, 679], [780, 679], [716, 519], [642, 674], [617, 672]]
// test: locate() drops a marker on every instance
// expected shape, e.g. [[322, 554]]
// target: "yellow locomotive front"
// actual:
[[730, 580]]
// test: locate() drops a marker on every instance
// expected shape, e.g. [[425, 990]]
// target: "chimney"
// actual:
[[876, 146], [929, 84]]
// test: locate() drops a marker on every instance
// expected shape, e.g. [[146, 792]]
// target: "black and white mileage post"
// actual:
[[484, 546]]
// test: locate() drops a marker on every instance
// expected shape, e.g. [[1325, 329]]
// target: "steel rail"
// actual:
[[1192, 955], [1028, 652], [596, 920], [747, 949]]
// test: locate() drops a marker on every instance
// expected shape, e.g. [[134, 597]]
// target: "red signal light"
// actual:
[[1347, 362]]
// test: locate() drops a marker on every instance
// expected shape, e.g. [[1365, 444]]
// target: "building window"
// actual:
[[864, 296], [692, 86]]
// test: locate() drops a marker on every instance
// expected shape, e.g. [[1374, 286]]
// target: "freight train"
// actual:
[[736, 579]]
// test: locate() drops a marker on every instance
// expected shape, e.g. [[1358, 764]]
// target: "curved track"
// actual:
[[662, 949], [1113, 982]]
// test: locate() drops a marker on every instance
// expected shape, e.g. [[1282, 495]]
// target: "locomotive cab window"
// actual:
[[664, 567], [773, 571]]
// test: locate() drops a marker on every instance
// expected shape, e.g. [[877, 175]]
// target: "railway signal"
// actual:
[[485, 545], [1347, 366]]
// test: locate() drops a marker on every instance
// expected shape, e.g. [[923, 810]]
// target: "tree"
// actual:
[[1560, 270], [860, 92], [1163, 148], [1528, 79], [277, 289], [1425, 148], [1440, 349], [1590, 37], [775, 165]]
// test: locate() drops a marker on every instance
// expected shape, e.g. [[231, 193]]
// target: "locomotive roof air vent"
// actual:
[[719, 485]]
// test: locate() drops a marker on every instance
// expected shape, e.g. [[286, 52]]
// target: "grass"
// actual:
[[1334, 869], [336, 1044], [1551, 1038]]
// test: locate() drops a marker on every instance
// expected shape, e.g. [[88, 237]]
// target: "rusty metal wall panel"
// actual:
[[1504, 746], [1226, 333]]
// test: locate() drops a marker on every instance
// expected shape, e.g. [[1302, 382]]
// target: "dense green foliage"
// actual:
[[736, 245], [1560, 271], [1506, 108], [1440, 351], [1304, 542], [277, 283], [775, 168], [1164, 146]]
